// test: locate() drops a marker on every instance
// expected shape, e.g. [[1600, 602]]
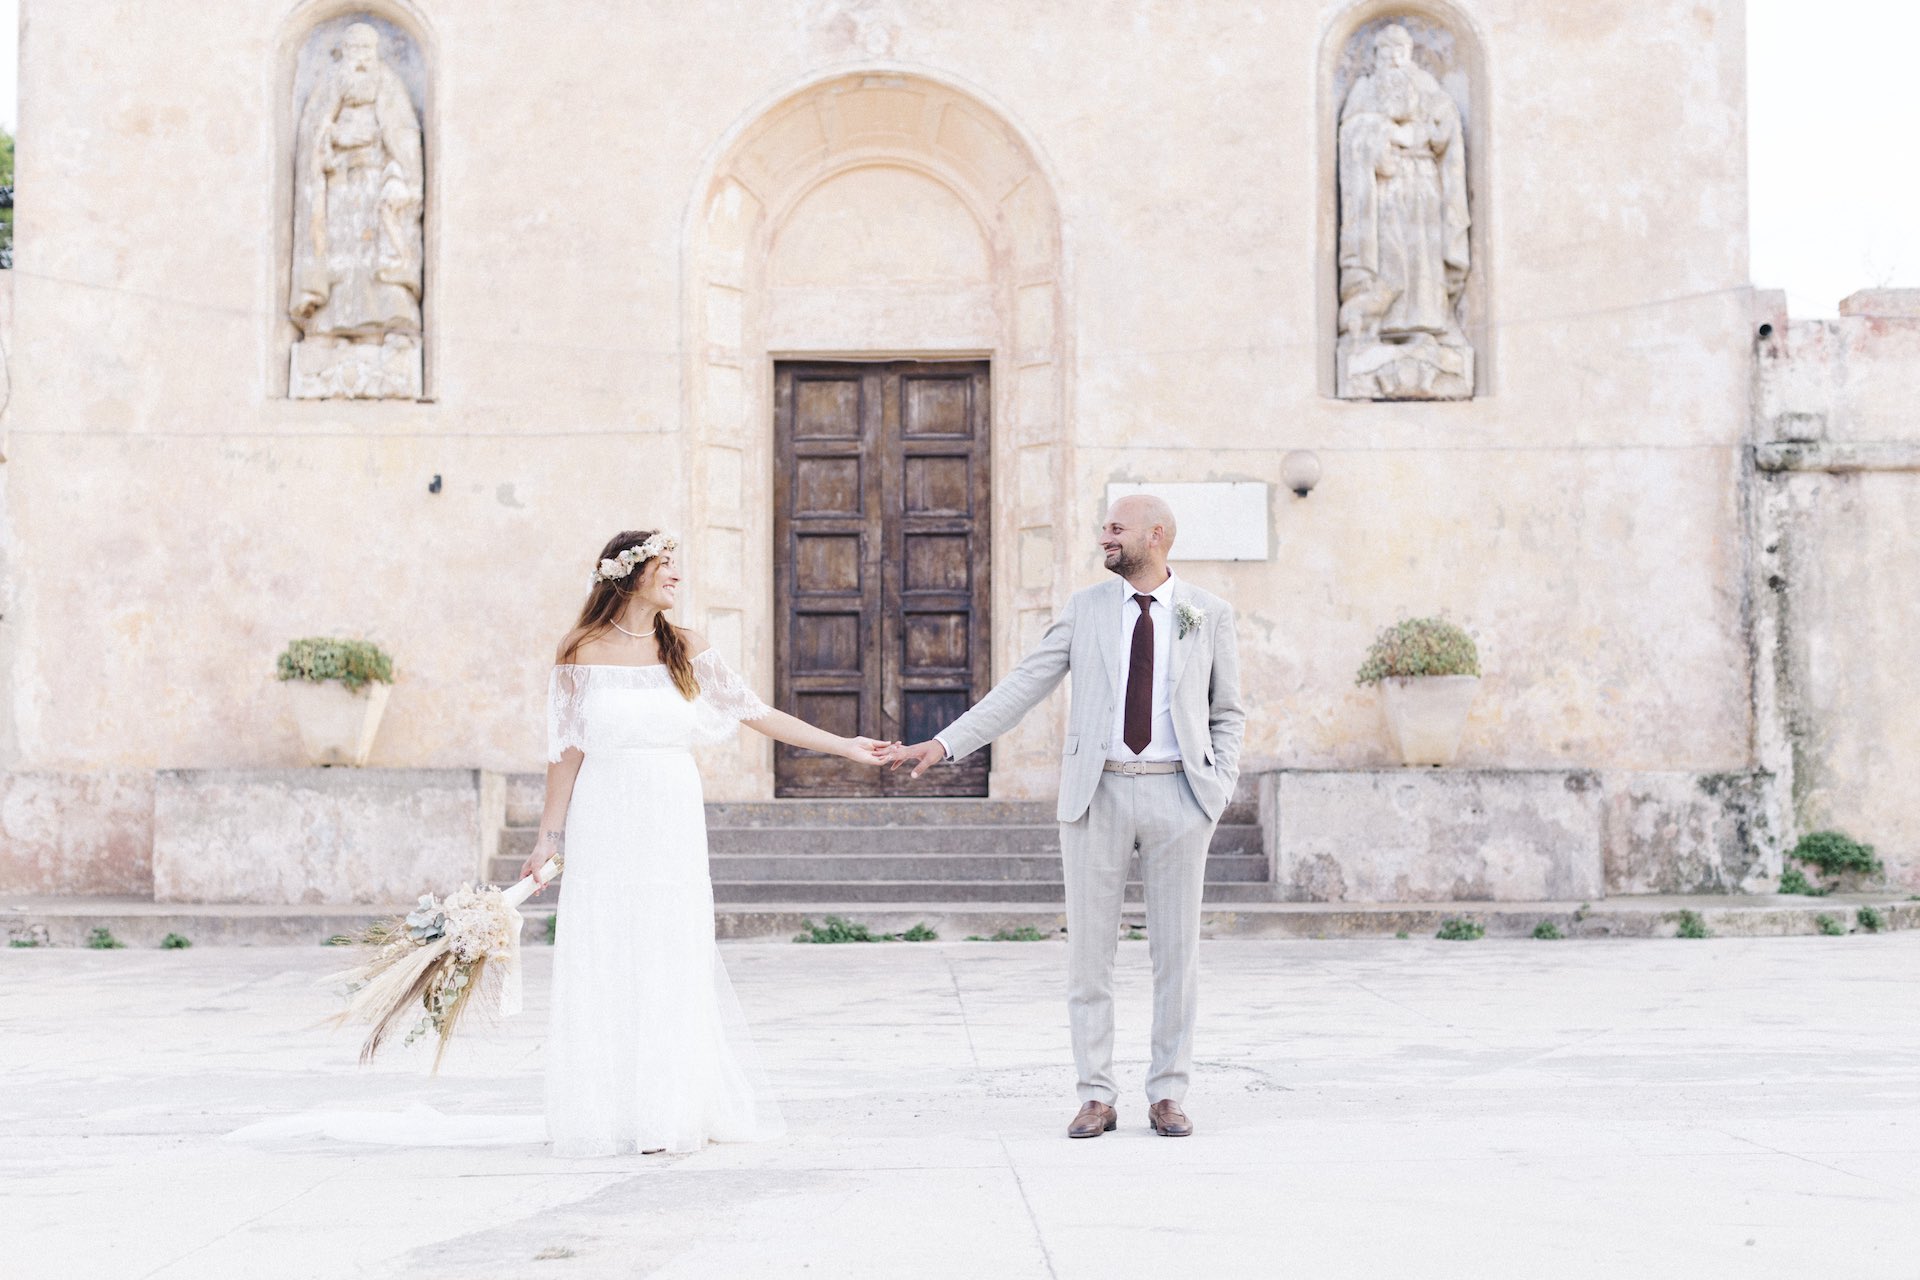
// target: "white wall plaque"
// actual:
[[1218, 521]]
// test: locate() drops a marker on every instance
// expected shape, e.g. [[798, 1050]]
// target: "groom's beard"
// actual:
[[1126, 565]]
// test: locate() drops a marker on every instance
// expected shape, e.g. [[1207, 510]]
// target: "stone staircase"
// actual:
[[823, 854]]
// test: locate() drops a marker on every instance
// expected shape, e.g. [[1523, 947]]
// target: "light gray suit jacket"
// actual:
[[1208, 721]]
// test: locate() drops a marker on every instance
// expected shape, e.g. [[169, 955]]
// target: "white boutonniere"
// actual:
[[1188, 617]]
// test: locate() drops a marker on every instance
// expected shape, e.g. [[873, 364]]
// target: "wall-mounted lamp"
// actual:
[[1300, 471]]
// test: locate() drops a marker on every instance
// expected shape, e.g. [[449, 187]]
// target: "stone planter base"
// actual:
[[337, 726], [1426, 715]]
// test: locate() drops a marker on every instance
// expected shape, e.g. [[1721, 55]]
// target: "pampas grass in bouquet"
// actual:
[[427, 969]]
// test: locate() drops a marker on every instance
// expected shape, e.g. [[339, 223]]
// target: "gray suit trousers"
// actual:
[[1157, 815]]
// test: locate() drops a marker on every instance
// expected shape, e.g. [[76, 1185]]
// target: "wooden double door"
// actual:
[[880, 564]]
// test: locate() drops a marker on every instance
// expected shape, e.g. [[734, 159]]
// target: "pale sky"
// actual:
[[1835, 190]]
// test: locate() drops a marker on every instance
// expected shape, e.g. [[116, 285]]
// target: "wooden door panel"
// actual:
[[826, 644], [936, 562], [937, 486], [828, 563], [827, 487], [935, 642], [936, 406], [827, 407], [881, 528]]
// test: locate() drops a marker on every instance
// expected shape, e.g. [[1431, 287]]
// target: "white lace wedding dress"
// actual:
[[646, 1046]]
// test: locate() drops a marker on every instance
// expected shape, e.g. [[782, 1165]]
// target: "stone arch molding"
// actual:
[[808, 168], [1451, 47]]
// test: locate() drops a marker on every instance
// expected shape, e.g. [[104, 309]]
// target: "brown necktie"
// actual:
[[1139, 722]]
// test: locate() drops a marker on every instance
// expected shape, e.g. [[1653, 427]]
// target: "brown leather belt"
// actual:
[[1133, 767]]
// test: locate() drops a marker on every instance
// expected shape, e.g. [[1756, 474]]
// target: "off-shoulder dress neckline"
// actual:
[[616, 666], [632, 666]]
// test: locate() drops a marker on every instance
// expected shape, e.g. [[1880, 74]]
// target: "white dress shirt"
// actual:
[[1161, 747]]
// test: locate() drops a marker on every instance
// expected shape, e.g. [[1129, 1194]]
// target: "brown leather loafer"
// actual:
[[1168, 1120], [1095, 1118]]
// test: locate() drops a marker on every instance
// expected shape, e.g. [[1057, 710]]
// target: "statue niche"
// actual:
[[359, 193], [1403, 247]]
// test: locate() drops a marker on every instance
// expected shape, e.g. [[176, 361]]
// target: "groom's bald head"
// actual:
[[1138, 534], [1146, 512]]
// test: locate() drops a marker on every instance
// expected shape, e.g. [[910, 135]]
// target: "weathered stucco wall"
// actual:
[[173, 519], [1839, 512]]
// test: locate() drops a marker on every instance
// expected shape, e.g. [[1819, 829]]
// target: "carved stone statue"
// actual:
[[359, 193], [1403, 234]]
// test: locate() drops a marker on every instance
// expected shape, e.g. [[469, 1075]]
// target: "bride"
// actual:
[[646, 1049]]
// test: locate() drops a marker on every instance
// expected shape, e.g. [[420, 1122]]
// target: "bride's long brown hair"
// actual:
[[607, 599]]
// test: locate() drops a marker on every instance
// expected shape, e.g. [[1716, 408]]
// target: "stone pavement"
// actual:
[[1730, 1107]]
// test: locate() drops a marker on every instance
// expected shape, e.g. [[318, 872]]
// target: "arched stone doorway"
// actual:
[[874, 218]]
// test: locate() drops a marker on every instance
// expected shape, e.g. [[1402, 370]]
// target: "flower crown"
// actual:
[[620, 566]]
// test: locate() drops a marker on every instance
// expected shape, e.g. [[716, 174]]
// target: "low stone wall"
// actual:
[[1503, 835], [341, 836], [76, 833], [310, 836]]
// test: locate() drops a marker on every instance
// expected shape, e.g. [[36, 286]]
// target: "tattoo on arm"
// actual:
[[551, 843]]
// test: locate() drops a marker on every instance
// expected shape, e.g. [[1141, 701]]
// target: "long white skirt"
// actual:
[[646, 1046]]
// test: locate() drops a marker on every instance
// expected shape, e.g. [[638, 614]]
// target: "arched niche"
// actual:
[[1449, 47], [874, 215], [304, 46]]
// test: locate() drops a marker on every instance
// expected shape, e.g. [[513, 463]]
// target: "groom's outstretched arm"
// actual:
[[1035, 676]]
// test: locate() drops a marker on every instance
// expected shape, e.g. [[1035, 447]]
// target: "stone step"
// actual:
[[985, 869], [526, 792], [517, 842], [973, 891], [141, 923]]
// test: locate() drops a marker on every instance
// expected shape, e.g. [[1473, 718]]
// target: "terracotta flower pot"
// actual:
[[337, 726], [1427, 714]]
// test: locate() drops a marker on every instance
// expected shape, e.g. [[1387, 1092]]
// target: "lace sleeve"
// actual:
[[566, 711], [725, 698]]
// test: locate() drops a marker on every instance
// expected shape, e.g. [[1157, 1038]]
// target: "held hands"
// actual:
[[922, 756], [868, 750]]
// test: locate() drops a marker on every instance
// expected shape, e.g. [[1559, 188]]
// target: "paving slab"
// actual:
[[1370, 1108]]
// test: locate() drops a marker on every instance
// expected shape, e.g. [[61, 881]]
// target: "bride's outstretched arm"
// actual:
[[552, 841], [796, 732]]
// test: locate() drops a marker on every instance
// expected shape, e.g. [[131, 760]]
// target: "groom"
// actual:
[[1150, 761]]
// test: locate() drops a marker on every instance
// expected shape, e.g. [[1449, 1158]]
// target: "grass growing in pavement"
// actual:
[[839, 929], [1025, 933], [1548, 931], [1454, 929], [1828, 925], [174, 942], [103, 940], [1870, 919], [1691, 925]]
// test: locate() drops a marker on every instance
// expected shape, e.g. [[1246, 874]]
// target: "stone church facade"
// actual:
[[378, 319]]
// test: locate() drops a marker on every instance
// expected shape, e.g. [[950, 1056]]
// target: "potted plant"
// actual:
[[1428, 671], [338, 689]]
